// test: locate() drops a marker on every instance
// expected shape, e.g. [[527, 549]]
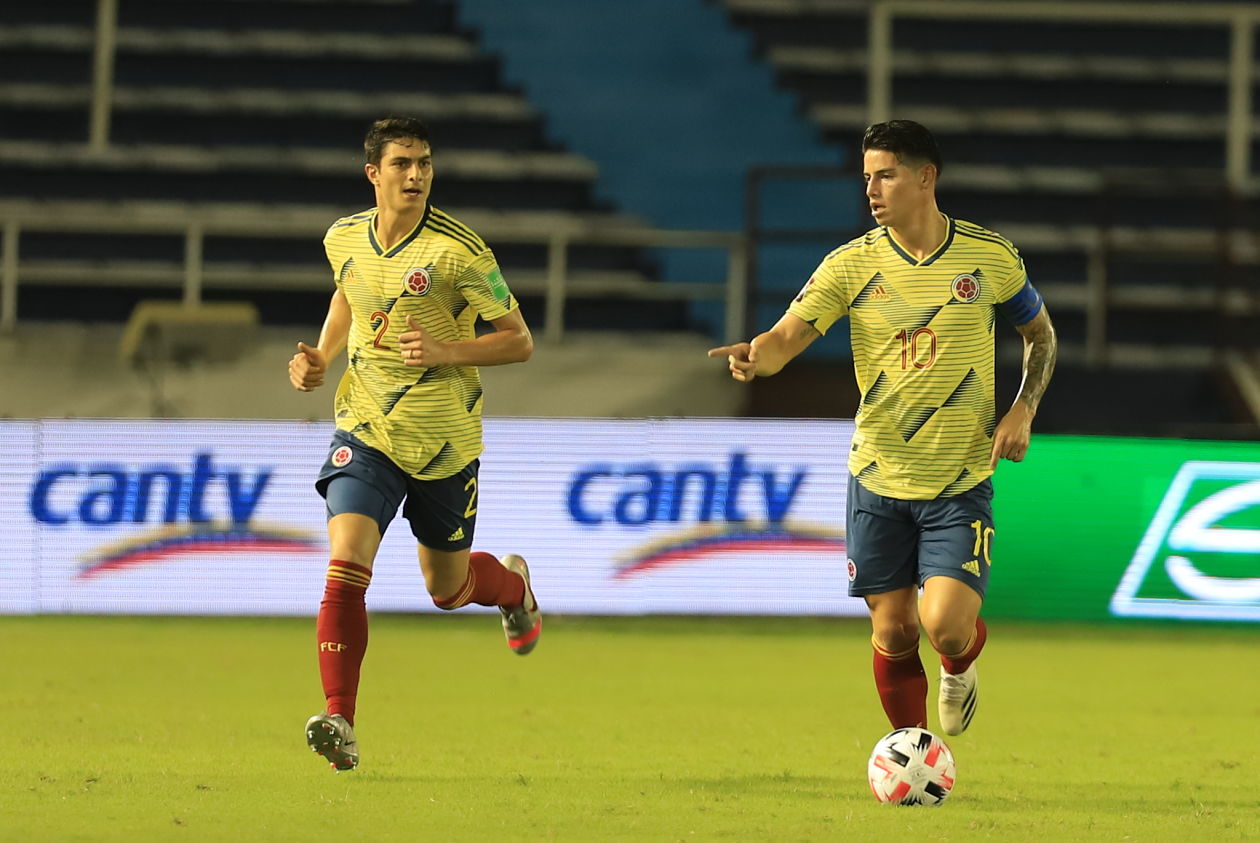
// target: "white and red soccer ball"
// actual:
[[911, 767]]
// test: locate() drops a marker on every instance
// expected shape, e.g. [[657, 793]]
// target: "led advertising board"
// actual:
[[615, 517], [1097, 527], [641, 516]]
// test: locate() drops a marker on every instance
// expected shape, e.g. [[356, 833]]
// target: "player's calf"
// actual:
[[960, 684]]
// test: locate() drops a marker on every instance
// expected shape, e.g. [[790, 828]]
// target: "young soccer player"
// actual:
[[410, 282], [922, 292]]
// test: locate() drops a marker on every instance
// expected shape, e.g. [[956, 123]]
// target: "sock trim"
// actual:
[[971, 642], [461, 597], [911, 651], [349, 573]]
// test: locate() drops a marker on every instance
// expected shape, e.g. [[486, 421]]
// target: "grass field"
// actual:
[[614, 729]]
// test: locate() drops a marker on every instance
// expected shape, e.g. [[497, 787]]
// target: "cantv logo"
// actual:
[[1200, 557], [107, 493], [736, 508], [643, 493], [110, 497]]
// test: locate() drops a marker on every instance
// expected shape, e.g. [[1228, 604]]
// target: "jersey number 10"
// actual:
[[912, 348]]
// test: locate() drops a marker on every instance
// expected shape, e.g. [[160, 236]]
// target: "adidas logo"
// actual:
[[459, 534], [880, 294], [972, 567]]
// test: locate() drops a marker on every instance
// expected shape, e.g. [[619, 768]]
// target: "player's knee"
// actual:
[[896, 636], [948, 638]]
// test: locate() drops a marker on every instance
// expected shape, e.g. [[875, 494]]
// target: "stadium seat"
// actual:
[[262, 104], [1089, 144], [1123, 130]]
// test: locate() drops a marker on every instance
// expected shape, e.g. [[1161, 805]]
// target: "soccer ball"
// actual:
[[911, 767]]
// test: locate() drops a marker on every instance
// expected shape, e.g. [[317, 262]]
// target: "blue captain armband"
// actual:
[[1023, 306]]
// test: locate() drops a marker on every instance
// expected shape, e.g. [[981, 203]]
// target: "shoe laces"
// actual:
[[954, 688]]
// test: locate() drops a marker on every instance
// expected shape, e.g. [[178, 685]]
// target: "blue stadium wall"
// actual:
[[667, 97]]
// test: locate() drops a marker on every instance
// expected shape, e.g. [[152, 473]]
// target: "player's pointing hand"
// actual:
[[741, 358], [307, 368], [1012, 434], [419, 347]]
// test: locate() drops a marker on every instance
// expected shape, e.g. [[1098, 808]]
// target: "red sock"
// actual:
[[959, 663], [342, 632], [488, 584], [902, 686]]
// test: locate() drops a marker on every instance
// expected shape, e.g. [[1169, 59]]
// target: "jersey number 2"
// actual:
[[380, 332]]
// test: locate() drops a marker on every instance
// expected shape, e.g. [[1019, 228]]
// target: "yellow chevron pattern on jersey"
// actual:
[[922, 334], [428, 421]]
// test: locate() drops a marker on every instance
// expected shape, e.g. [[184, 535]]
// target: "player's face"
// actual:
[[894, 191], [404, 176]]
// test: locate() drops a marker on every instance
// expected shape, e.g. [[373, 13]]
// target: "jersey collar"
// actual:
[[402, 244], [940, 250]]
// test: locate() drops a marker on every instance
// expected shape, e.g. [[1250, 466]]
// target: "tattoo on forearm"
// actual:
[[1041, 347]]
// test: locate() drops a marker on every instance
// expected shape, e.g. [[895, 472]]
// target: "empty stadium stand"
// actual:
[[237, 109], [1099, 147], [231, 140]]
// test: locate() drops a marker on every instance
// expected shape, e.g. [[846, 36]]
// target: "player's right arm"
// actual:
[[770, 351], [308, 367]]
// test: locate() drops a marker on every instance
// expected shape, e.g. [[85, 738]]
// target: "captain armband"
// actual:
[[1022, 307]]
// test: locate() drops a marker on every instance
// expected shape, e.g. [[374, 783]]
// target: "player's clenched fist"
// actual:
[[741, 358], [307, 368], [420, 348]]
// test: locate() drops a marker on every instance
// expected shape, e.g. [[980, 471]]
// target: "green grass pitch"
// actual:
[[614, 729]]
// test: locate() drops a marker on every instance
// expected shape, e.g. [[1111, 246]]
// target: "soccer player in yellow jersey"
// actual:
[[411, 282], [922, 292]]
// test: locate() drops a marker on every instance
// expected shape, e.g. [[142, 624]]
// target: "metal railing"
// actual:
[[1227, 243], [194, 225], [1241, 19], [1228, 247], [556, 285], [759, 234]]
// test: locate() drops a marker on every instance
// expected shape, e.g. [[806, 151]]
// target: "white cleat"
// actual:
[[957, 700]]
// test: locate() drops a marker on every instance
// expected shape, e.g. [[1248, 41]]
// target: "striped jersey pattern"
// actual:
[[923, 352], [427, 420]]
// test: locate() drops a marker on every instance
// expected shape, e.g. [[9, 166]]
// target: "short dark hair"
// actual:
[[908, 140], [389, 129]]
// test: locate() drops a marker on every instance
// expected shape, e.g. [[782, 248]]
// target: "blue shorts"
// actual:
[[358, 478], [894, 543]]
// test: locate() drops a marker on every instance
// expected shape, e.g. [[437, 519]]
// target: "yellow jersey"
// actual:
[[923, 352], [427, 420]]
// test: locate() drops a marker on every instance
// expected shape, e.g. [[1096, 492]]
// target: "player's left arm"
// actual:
[[509, 342], [1041, 347]]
